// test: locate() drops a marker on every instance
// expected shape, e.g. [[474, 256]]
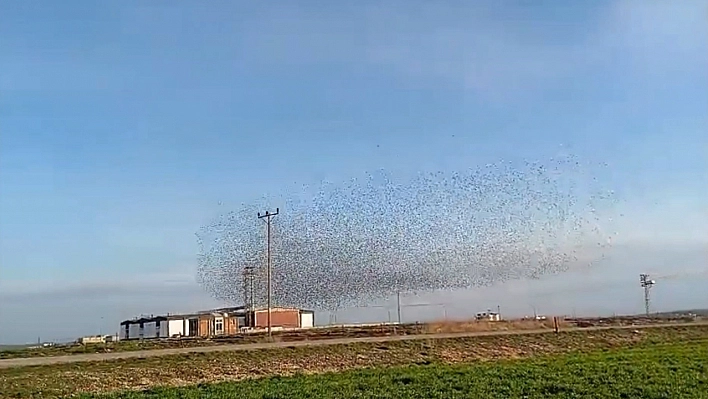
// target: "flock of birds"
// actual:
[[370, 238]]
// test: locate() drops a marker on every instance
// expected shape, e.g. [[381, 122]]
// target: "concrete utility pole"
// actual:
[[267, 216]]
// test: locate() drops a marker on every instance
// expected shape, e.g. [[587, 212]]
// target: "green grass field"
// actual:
[[676, 370]]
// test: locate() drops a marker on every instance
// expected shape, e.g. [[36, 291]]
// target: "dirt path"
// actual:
[[37, 361]]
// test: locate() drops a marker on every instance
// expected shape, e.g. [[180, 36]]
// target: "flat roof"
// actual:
[[231, 311], [142, 320], [277, 309]]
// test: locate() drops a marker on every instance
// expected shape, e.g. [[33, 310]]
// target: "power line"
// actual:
[[267, 216]]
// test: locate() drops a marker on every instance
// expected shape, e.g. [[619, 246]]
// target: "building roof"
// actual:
[[143, 320], [231, 311], [276, 309]]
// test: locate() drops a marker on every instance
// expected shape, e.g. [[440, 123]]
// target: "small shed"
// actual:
[[281, 317], [488, 316], [92, 339]]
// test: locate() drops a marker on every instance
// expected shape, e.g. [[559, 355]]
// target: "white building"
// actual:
[[170, 326], [92, 339], [488, 316], [153, 327]]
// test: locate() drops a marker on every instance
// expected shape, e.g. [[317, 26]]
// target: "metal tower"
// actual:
[[646, 284], [249, 276]]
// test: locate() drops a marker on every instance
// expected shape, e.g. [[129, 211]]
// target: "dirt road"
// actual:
[[37, 361]]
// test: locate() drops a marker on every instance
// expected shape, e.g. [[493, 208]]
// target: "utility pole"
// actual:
[[267, 216]]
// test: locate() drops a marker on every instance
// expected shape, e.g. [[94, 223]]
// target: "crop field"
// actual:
[[678, 370], [568, 364], [329, 333], [281, 336]]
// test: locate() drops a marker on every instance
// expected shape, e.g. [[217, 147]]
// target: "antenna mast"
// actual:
[[646, 283], [248, 293]]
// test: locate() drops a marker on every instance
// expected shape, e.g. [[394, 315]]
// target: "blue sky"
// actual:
[[124, 127]]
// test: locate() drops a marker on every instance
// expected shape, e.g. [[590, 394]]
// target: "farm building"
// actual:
[[488, 316], [284, 318], [94, 339], [224, 321]]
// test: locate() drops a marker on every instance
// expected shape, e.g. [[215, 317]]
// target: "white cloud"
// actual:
[[126, 284]]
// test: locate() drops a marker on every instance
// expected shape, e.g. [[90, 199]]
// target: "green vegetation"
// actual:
[[659, 371], [619, 352]]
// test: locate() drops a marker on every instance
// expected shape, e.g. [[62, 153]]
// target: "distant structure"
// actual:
[[646, 283], [249, 301], [488, 316], [215, 322], [97, 339]]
